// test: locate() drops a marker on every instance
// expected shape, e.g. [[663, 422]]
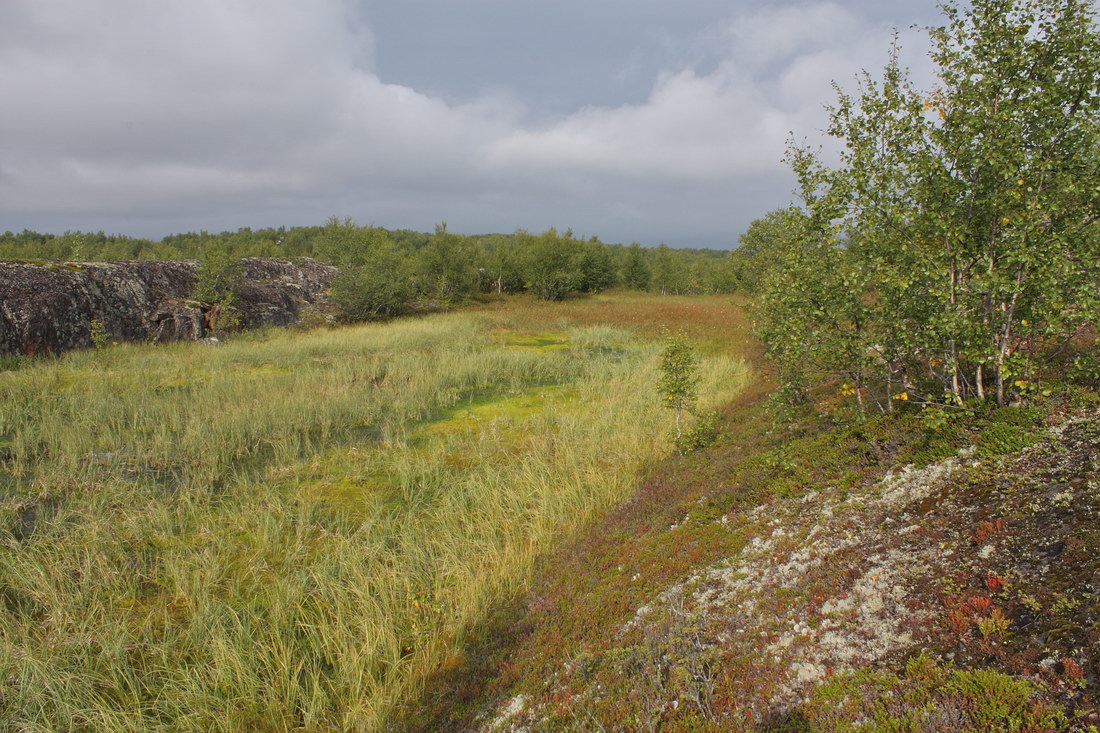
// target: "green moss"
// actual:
[[355, 492], [28, 261], [360, 479], [267, 370], [498, 415], [352, 479], [546, 340]]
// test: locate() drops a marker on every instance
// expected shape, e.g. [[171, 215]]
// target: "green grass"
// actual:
[[295, 531]]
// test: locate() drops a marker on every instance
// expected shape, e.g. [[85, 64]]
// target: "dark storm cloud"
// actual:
[[639, 119]]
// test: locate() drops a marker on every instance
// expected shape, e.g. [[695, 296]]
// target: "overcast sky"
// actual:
[[646, 120]]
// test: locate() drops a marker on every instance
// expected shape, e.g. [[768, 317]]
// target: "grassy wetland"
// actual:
[[295, 530]]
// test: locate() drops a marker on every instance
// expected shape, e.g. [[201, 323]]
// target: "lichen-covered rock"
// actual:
[[48, 306], [274, 291]]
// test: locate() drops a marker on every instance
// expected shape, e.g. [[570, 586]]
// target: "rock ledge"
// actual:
[[47, 306]]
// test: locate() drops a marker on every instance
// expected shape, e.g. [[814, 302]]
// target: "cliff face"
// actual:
[[48, 307]]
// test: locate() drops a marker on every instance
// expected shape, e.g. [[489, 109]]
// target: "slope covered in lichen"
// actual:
[[884, 574]]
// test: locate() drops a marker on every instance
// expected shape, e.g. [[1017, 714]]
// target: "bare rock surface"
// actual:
[[48, 306]]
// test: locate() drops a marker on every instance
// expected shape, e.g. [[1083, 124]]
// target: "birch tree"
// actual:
[[972, 206]]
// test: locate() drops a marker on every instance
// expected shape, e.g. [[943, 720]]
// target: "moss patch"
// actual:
[[544, 341], [350, 479], [498, 416]]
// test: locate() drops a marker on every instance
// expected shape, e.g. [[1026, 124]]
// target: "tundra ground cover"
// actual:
[[294, 530], [891, 573]]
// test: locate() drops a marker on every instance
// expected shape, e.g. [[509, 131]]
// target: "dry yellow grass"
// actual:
[[292, 533], [715, 321]]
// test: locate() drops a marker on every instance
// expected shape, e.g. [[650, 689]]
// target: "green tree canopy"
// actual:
[[970, 210], [669, 273], [636, 272], [553, 264], [446, 266]]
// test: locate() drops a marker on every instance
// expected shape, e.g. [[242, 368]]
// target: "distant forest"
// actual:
[[385, 271]]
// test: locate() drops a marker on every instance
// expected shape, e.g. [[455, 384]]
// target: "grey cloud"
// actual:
[[149, 117]]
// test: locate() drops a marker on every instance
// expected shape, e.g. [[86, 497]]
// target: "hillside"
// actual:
[[886, 574]]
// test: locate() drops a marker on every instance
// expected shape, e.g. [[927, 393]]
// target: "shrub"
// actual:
[[218, 277], [371, 291], [701, 434], [97, 332], [679, 379], [1001, 438]]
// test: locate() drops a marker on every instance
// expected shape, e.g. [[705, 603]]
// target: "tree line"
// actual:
[[387, 272]]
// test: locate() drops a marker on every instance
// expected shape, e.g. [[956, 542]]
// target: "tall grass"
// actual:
[[292, 534]]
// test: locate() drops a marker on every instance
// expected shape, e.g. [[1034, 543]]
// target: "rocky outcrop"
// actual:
[[49, 306]]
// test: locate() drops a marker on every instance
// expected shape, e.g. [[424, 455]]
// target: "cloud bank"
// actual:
[[146, 118]]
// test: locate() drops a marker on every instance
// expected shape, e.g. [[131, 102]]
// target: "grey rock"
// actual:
[[48, 306]]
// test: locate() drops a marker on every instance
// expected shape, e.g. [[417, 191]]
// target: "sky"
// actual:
[[631, 120]]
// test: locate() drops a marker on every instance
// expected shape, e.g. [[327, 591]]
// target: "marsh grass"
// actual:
[[292, 532]]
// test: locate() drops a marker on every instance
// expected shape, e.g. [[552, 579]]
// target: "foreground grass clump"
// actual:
[[295, 532]]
